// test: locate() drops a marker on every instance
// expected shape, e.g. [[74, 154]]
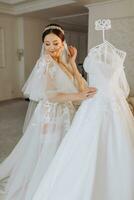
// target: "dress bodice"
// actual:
[[104, 65], [61, 81]]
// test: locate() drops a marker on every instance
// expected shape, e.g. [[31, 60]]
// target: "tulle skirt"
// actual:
[[95, 161], [31, 157]]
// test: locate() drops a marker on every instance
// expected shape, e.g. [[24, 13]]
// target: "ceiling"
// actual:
[[16, 2], [74, 17], [71, 14], [13, 2]]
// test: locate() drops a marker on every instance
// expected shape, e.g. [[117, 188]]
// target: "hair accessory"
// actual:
[[53, 27]]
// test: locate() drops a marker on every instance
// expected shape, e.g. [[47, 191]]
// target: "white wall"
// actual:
[[20, 33], [121, 13], [8, 74], [33, 29]]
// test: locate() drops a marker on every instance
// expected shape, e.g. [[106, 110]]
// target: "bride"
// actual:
[[95, 160], [58, 87]]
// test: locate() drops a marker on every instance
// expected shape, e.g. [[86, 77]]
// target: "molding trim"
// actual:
[[69, 16], [6, 9], [32, 6], [2, 48], [12, 1], [102, 3]]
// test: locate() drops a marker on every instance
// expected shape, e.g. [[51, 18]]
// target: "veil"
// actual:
[[34, 88]]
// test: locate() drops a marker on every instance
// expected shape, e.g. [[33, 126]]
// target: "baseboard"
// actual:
[[11, 100]]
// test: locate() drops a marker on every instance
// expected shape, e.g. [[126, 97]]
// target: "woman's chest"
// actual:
[[62, 80]]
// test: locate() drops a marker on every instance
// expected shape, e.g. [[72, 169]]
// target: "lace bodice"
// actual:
[[104, 64], [57, 80]]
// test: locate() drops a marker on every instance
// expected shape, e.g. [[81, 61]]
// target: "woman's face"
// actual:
[[53, 45]]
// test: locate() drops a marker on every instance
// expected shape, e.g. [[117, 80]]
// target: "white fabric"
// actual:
[[30, 110], [95, 160], [36, 79], [49, 123], [34, 86]]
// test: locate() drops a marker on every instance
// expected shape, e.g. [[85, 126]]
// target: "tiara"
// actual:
[[53, 27]]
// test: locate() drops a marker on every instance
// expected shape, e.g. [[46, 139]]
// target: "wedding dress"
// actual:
[[95, 160], [48, 125]]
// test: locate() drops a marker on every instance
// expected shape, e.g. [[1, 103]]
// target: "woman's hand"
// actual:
[[87, 93], [58, 53], [72, 53]]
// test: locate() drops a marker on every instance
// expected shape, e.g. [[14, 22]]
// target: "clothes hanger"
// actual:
[[104, 25]]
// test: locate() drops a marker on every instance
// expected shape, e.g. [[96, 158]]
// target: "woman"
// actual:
[[57, 86]]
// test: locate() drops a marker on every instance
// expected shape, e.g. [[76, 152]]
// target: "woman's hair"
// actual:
[[55, 29]]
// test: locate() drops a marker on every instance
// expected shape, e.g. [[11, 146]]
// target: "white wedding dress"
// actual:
[[48, 125], [95, 160]]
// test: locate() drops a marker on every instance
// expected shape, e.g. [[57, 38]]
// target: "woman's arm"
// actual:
[[79, 96], [80, 80], [54, 95]]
